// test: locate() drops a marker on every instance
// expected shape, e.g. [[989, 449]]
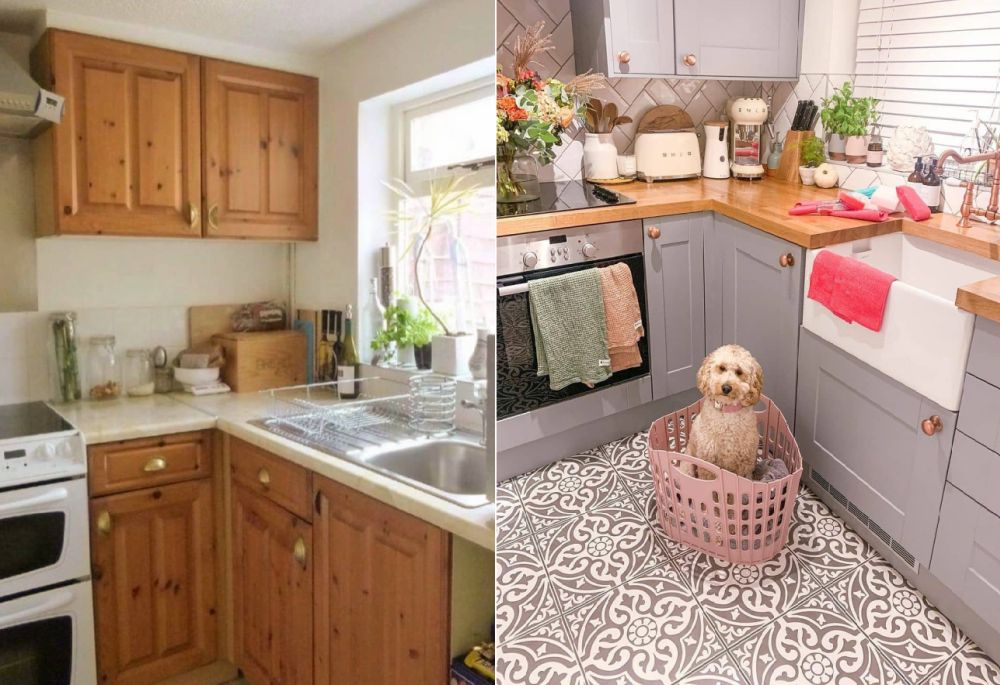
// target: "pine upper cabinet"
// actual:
[[382, 592], [735, 38], [261, 158], [154, 582], [126, 159], [272, 591]]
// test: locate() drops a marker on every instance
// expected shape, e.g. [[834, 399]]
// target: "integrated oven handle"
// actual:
[[56, 495], [56, 601], [505, 290]]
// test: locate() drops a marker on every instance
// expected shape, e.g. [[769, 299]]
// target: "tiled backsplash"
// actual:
[[26, 360]]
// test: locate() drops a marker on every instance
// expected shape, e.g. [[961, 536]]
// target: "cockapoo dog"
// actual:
[[725, 431]]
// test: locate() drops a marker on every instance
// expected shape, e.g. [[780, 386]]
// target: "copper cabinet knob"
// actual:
[[653, 232], [690, 60], [787, 259], [624, 57], [931, 425]]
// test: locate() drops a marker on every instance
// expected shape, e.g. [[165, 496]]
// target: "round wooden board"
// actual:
[[610, 181]]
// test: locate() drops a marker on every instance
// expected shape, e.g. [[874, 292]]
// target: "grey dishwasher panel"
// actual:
[[984, 356], [675, 292], [975, 470], [979, 413], [967, 554], [861, 430]]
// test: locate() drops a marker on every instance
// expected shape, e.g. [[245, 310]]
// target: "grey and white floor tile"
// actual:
[[592, 592]]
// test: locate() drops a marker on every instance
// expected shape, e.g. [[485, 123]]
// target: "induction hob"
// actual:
[[29, 420], [563, 196]]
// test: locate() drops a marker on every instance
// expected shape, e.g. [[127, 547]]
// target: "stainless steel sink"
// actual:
[[451, 468]]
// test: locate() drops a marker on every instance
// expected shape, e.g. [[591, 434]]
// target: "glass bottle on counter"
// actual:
[[139, 373], [916, 178], [931, 190], [349, 365], [67, 361], [103, 373]]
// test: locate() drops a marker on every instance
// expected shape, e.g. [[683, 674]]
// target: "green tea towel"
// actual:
[[567, 319]]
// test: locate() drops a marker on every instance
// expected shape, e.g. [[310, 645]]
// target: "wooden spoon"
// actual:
[[610, 114]]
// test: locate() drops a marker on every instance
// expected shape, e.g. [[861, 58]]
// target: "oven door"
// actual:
[[519, 388], [44, 538], [47, 638]]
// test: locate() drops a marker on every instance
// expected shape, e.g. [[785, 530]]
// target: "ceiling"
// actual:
[[298, 26]]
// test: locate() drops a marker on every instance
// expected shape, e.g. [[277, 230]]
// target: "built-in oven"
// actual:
[[47, 637], [526, 257]]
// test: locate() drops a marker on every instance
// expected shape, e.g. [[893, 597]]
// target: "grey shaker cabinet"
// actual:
[[675, 297], [860, 431], [623, 37], [752, 300]]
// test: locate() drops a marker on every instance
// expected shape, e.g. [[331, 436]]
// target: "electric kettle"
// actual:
[[716, 156]]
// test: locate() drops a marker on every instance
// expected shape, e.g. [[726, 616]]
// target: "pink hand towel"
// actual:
[[860, 293], [823, 276]]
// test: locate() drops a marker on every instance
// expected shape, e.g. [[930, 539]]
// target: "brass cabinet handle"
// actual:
[[690, 60], [104, 522], [155, 464], [264, 476], [653, 232], [931, 425], [193, 215], [299, 551], [624, 57], [787, 259], [213, 218]]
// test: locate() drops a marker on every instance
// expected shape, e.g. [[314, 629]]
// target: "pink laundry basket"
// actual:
[[736, 519]]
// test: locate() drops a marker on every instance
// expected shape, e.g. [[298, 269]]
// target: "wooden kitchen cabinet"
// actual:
[[126, 159], [261, 152], [272, 591], [675, 289], [382, 592], [153, 553], [753, 298]]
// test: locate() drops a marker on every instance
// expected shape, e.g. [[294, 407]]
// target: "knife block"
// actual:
[[788, 170]]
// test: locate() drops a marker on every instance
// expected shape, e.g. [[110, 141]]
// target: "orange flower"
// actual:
[[506, 104], [517, 114]]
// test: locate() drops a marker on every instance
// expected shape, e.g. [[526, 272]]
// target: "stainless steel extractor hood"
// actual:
[[25, 108]]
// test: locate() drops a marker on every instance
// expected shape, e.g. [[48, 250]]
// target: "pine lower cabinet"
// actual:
[[153, 554], [382, 592]]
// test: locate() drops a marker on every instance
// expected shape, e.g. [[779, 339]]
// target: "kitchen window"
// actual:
[[442, 135]]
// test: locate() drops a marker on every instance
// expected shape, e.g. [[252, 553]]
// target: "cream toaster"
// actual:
[[664, 155]]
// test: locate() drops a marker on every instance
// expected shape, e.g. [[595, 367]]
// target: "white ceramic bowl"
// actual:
[[196, 376]]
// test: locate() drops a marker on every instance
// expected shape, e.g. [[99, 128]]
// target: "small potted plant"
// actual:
[[847, 119], [810, 156], [406, 329]]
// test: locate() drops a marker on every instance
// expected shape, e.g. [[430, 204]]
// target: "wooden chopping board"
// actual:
[[207, 321], [665, 118]]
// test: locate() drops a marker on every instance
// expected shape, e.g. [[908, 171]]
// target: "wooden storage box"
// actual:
[[259, 361]]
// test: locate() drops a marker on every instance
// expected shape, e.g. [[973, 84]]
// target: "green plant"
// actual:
[[847, 115], [811, 152], [405, 328]]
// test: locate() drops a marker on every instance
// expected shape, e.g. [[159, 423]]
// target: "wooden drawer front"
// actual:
[[977, 415], [976, 470], [133, 464], [984, 357], [284, 483], [967, 554]]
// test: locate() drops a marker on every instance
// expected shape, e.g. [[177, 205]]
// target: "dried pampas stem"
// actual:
[[583, 85], [528, 45]]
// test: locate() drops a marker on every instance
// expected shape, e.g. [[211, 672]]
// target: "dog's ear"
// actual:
[[704, 376], [756, 384]]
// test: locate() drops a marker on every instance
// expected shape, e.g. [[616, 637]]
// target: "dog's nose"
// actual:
[[726, 389]]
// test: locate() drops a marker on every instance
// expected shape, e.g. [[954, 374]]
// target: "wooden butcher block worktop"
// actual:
[[764, 205]]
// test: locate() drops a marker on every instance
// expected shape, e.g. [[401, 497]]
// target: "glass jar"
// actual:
[[517, 176], [67, 363], [103, 374], [139, 373]]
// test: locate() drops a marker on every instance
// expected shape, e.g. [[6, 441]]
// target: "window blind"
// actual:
[[930, 62]]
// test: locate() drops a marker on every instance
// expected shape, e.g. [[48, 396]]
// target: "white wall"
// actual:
[[431, 40]]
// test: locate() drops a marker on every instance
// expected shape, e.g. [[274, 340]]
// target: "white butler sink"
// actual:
[[925, 338]]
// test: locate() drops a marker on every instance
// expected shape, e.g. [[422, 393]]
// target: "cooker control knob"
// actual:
[[530, 259], [46, 452], [589, 250]]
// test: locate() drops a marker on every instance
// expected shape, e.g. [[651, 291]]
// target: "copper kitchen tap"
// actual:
[[990, 213]]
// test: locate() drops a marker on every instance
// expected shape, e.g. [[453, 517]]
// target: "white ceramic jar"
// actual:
[[600, 157]]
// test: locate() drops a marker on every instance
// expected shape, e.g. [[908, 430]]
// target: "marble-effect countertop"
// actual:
[[142, 417]]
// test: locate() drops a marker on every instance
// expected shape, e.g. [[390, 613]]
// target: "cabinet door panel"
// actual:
[[645, 30], [160, 136], [382, 592], [103, 113], [154, 582], [261, 152]]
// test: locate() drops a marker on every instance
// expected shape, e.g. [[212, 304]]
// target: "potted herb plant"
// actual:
[[405, 329], [847, 119], [810, 157]]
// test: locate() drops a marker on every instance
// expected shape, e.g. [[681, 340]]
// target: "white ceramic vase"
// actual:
[[600, 157], [477, 362], [807, 174], [856, 149], [450, 354]]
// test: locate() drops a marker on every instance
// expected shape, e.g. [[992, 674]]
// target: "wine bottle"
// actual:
[[349, 365]]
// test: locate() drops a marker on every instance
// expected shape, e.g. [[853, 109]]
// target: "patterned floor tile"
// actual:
[[540, 657], [826, 546], [649, 630], [741, 598], [629, 458], [970, 666], [511, 521], [898, 618], [645, 497], [591, 554], [523, 594], [719, 671], [568, 488], [814, 644]]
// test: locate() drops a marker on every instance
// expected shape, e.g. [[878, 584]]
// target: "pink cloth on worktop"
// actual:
[[851, 289]]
